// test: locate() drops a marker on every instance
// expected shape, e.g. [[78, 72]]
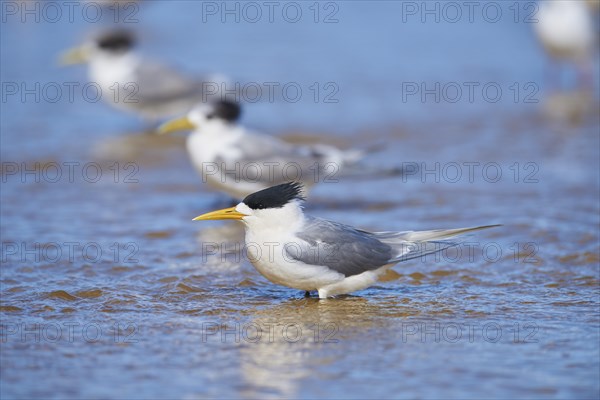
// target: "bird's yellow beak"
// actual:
[[77, 55], [226, 213], [175, 125]]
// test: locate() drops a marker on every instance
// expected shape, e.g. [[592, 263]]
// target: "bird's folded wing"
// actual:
[[158, 84], [352, 251], [271, 161], [338, 247]]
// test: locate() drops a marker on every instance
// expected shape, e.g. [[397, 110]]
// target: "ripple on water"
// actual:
[[184, 255], [10, 308], [90, 293], [119, 269], [182, 288], [445, 272], [585, 258], [61, 295], [16, 289], [158, 234], [169, 279]]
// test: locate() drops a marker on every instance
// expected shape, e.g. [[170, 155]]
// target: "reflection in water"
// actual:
[[567, 31], [144, 148], [296, 340], [573, 106]]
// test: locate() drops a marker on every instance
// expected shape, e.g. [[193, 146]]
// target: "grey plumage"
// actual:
[[353, 251], [268, 161], [159, 90], [340, 247]]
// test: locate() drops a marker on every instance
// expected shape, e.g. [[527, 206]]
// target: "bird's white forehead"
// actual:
[[201, 109], [198, 114], [244, 209]]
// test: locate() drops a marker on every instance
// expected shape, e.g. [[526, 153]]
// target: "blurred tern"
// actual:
[[565, 29], [132, 83], [239, 162], [295, 250]]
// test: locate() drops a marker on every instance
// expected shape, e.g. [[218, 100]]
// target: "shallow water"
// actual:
[[109, 290]]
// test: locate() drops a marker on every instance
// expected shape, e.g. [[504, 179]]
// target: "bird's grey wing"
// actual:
[[268, 160], [352, 251], [340, 247], [159, 84]]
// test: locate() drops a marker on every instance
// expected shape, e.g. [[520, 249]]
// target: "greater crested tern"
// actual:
[[133, 83], [565, 28], [239, 162], [295, 250]]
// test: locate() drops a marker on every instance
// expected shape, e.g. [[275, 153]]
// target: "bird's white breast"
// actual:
[[266, 242], [207, 145], [216, 154], [565, 28], [269, 257], [106, 70]]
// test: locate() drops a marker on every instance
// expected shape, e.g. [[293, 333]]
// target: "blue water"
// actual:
[[157, 315]]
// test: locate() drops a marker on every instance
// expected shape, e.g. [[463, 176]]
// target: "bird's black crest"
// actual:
[[120, 40], [275, 196], [226, 110]]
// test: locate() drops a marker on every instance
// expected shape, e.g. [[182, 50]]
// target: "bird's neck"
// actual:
[[222, 129], [216, 135], [211, 142]]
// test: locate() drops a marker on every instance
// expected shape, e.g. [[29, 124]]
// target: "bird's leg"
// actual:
[[585, 75], [552, 76]]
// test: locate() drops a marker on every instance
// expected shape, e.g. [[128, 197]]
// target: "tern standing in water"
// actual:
[[295, 250], [239, 162], [565, 29], [133, 83]]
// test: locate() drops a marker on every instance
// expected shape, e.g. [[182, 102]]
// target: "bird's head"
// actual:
[[279, 205], [202, 115], [110, 44]]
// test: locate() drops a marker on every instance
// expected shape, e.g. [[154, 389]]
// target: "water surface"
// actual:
[[141, 309]]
